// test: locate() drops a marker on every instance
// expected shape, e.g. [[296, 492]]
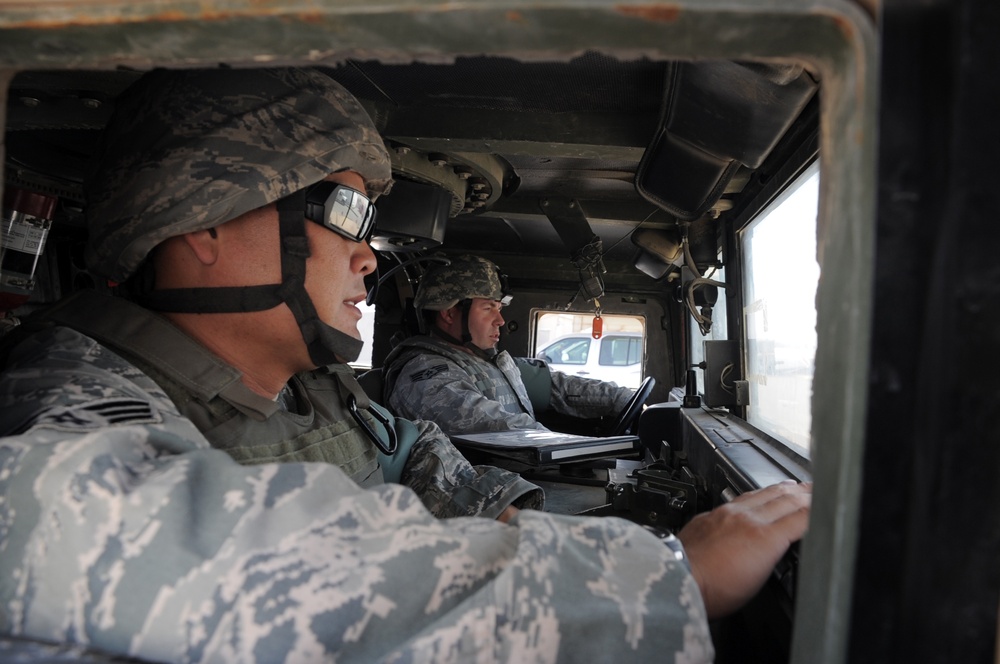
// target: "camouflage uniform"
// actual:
[[465, 389], [190, 150], [124, 531], [430, 378], [253, 429]]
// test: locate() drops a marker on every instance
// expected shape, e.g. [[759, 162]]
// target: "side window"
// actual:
[[634, 351], [780, 279], [569, 351], [621, 351], [366, 326]]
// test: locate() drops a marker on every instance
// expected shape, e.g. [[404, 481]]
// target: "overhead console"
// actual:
[[716, 118]]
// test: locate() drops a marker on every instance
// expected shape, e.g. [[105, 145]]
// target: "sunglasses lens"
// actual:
[[351, 212], [341, 209]]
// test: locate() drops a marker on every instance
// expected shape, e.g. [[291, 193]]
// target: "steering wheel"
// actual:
[[629, 415]]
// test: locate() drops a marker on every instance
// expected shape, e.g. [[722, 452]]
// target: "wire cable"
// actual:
[[379, 279]]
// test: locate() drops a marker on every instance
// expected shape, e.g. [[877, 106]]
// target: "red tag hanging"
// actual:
[[598, 328]]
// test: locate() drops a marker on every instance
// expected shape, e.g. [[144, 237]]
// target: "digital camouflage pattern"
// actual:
[[253, 429], [449, 486], [459, 391], [465, 278], [125, 532], [429, 378], [189, 150], [14, 650]]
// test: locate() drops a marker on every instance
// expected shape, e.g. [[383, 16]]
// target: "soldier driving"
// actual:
[[455, 376]]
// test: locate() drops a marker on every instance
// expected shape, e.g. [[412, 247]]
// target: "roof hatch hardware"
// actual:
[[585, 247]]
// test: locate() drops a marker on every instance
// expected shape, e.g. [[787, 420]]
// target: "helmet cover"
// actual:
[[191, 149], [465, 278]]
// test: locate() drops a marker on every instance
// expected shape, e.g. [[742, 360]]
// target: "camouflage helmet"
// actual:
[[191, 149], [464, 278]]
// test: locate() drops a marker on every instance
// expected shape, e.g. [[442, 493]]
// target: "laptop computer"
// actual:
[[539, 447]]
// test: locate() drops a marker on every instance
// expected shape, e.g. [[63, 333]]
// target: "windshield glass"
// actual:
[[567, 343]]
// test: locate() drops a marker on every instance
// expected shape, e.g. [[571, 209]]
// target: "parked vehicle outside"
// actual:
[[614, 357]]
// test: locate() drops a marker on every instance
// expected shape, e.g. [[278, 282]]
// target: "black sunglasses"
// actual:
[[341, 209]]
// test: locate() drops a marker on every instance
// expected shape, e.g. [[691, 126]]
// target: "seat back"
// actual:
[[372, 381]]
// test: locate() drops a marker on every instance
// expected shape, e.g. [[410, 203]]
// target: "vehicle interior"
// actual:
[[701, 176]]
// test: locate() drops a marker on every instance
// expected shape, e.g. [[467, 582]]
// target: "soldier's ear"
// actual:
[[204, 245], [447, 316]]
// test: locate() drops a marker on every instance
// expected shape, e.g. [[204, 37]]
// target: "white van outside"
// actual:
[[615, 357]]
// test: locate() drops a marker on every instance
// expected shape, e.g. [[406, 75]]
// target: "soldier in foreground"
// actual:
[[454, 375], [192, 192], [125, 531]]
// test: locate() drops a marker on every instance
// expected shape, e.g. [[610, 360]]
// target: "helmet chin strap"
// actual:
[[325, 344]]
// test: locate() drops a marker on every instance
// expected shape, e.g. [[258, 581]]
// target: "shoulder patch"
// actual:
[[98, 414], [418, 376]]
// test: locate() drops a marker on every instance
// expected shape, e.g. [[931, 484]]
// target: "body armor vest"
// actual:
[[499, 380], [250, 428]]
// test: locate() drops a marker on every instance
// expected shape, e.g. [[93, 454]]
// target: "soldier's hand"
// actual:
[[507, 514], [733, 548]]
